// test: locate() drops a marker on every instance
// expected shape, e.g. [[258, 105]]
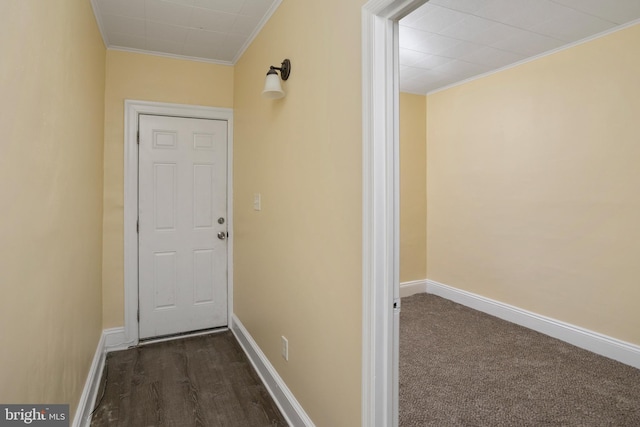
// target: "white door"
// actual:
[[182, 250]]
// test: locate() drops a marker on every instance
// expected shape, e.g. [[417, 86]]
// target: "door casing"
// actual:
[[380, 209], [133, 108]]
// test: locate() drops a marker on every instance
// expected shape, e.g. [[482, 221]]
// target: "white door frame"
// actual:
[[132, 109], [380, 210]]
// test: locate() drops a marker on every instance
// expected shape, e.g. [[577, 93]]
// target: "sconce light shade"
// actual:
[[272, 87]]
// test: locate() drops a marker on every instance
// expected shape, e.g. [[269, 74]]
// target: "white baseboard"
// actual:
[[90, 391], [115, 339], [603, 345], [110, 340], [286, 401], [413, 287]]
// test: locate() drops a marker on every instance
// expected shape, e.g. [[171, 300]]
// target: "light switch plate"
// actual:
[[257, 202]]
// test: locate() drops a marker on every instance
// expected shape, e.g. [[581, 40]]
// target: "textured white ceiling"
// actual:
[[447, 41], [441, 43], [210, 30]]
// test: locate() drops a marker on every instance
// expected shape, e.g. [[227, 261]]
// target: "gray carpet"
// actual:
[[461, 367]]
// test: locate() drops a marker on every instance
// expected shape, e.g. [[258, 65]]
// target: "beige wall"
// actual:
[[52, 103], [148, 78], [298, 261], [413, 187], [533, 185]]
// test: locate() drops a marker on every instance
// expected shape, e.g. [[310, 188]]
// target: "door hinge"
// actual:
[[138, 226], [138, 315], [396, 305], [138, 137]]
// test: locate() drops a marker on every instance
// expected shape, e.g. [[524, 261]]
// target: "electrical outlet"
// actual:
[[285, 348], [257, 202]]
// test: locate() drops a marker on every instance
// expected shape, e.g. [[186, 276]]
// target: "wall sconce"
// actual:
[[272, 88]]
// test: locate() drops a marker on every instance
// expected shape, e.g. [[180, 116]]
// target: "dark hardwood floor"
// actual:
[[197, 381]]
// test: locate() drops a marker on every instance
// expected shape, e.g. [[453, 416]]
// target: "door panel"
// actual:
[[182, 193], [164, 186]]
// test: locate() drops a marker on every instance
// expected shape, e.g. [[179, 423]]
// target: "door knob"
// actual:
[[222, 235]]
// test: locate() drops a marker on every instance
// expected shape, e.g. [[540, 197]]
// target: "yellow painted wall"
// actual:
[[148, 78], [298, 261], [534, 186], [52, 84], [413, 187]]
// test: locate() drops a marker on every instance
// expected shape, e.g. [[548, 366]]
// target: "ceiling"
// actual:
[[208, 30], [447, 41], [441, 43]]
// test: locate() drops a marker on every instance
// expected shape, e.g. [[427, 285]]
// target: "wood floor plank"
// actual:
[[197, 381]]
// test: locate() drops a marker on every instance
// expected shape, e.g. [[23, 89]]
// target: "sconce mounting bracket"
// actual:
[[285, 69]]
